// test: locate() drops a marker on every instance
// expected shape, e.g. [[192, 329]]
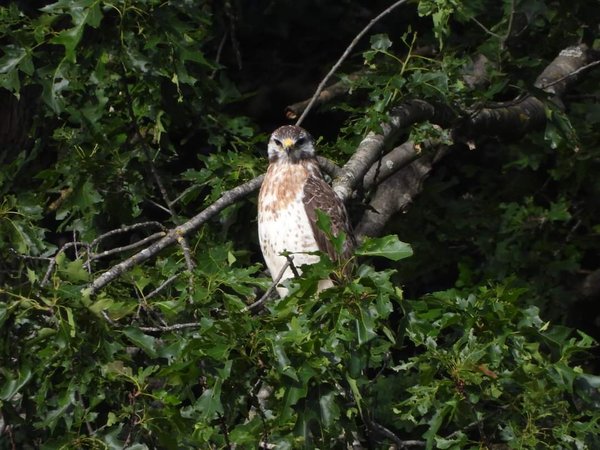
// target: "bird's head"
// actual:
[[290, 144]]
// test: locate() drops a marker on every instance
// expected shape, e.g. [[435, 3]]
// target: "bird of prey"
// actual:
[[292, 192]]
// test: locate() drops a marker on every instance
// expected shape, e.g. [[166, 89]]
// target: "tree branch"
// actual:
[[342, 58], [517, 117], [326, 95], [396, 193], [371, 147], [400, 186], [228, 198]]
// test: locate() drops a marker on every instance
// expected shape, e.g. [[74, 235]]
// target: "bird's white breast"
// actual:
[[283, 224], [287, 230]]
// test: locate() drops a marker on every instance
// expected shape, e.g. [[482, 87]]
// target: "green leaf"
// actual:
[[12, 386], [330, 410], [71, 322], [13, 56], [380, 42], [143, 341], [82, 12], [365, 326], [75, 272], [324, 224], [389, 247], [209, 403]]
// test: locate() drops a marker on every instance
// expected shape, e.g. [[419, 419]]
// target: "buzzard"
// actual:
[[292, 192]]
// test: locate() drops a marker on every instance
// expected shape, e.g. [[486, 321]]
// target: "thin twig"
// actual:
[[339, 62], [108, 319], [326, 95], [290, 260], [486, 29], [88, 426], [161, 287], [569, 75], [126, 229], [54, 262], [159, 206], [124, 248], [193, 187], [266, 295], [510, 23], [218, 55], [175, 327], [29, 257]]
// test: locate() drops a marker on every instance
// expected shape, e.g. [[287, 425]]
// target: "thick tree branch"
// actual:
[[372, 146], [395, 160], [396, 193], [517, 117]]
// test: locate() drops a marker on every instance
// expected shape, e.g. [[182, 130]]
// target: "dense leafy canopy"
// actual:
[[121, 120]]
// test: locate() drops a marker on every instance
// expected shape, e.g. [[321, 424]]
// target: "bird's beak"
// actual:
[[287, 144]]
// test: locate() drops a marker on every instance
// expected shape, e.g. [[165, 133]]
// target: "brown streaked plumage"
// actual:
[[292, 192]]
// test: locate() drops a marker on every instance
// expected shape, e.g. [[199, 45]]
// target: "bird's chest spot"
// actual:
[[282, 188]]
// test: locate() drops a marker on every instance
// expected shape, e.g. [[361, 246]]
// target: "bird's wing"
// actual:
[[318, 195]]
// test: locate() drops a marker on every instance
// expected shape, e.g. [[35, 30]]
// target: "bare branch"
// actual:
[[329, 167], [570, 75], [125, 248], [228, 198], [175, 327], [342, 58], [527, 113], [395, 160], [563, 69], [161, 287], [326, 95], [408, 181], [127, 229]]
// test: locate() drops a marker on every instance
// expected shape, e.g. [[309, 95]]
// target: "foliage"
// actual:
[[135, 113]]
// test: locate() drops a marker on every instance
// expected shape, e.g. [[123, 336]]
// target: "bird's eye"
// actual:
[[277, 141], [301, 141]]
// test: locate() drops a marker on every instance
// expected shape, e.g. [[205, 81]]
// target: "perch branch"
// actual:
[[370, 148]]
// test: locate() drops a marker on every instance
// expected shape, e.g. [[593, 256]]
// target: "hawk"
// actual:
[[292, 192]]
